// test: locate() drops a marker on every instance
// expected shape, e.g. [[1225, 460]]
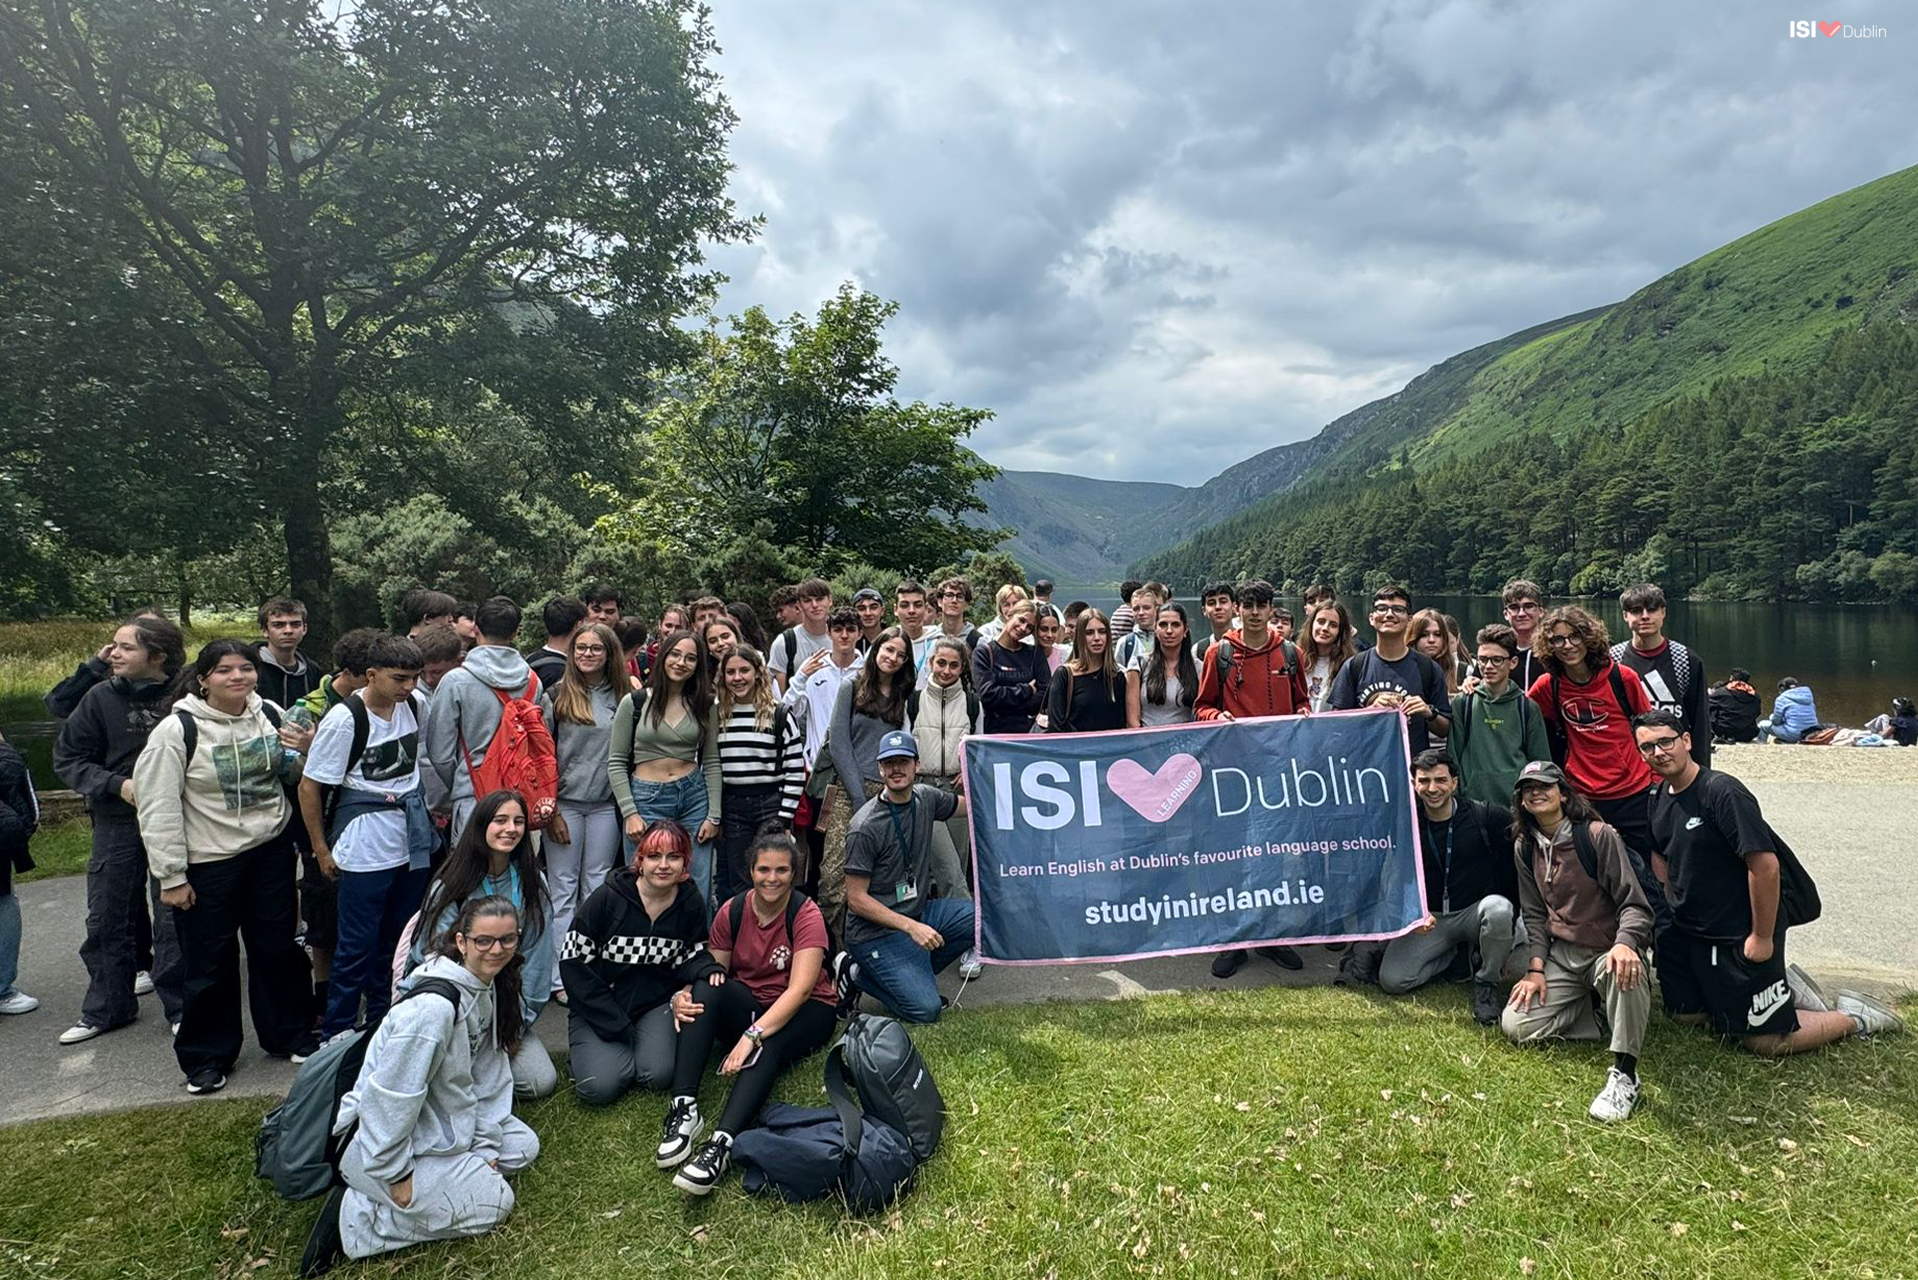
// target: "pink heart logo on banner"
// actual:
[[1155, 796]]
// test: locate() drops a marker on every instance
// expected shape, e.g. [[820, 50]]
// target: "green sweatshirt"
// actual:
[[1492, 739]]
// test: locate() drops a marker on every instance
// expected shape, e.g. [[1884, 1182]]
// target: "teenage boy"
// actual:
[[349, 673], [286, 674], [441, 650], [1124, 620], [705, 609], [1469, 887], [603, 603], [871, 608], [1496, 729], [1145, 612], [799, 651], [955, 597], [464, 626], [1042, 599], [561, 616], [1734, 887], [373, 838], [910, 606], [1673, 678], [1251, 672], [465, 711], [421, 607], [1405, 677], [785, 603], [1524, 605], [1282, 623], [899, 936], [818, 692], [1220, 605], [1585, 938]]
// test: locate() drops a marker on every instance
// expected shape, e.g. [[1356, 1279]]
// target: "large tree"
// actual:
[[284, 213]]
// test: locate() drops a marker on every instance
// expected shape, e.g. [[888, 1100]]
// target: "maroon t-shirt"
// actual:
[[762, 959]]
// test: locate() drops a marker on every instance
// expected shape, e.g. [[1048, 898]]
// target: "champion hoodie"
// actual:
[[619, 964], [464, 712], [230, 797], [436, 1080]]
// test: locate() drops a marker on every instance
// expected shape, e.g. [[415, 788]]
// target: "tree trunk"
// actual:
[[183, 598], [309, 567]]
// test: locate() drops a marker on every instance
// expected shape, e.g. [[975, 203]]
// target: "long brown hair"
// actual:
[[573, 700], [1077, 663], [509, 1020], [1341, 652], [867, 699], [698, 689], [762, 690], [1448, 658]]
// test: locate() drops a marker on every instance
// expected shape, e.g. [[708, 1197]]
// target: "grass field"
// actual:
[[1268, 1133]]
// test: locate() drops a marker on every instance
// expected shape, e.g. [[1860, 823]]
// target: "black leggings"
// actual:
[[725, 1012]]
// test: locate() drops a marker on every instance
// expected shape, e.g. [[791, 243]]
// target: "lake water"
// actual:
[[1854, 657]]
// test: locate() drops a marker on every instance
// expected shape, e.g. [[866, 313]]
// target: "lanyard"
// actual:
[[899, 830], [1445, 866]]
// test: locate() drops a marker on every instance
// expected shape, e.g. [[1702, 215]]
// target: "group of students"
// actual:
[[726, 812]]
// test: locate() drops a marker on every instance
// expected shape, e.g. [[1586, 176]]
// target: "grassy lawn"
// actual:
[[61, 849], [1276, 1132]]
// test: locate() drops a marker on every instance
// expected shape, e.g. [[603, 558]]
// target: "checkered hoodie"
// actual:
[[619, 964]]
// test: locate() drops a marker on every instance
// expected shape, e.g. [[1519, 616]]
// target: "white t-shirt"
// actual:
[[374, 841], [1172, 711], [1318, 682], [803, 646], [818, 694]]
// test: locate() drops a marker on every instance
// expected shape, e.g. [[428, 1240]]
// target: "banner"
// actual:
[[1197, 837]]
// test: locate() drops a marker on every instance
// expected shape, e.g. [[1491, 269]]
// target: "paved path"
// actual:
[[1866, 877]]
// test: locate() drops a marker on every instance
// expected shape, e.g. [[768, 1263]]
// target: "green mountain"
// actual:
[[1796, 304], [1073, 529]]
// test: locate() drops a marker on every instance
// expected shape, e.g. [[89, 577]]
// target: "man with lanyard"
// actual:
[[899, 938], [1732, 885], [1470, 884]]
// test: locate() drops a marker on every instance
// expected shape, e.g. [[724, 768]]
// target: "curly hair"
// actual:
[[1598, 645]]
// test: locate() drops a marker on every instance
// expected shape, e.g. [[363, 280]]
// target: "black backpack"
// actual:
[[356, 751], [1555, 732], [877, 1058], [190, 728]]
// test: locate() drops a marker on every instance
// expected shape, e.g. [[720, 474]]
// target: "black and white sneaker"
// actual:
[[324, 1247], [703, 1172], [205, 1080], [683, 1127], [305, 1049], [845, 979]]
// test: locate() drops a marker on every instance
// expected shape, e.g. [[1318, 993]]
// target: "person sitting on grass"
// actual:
[[637, 939], [770, 989], [1733, 885], [430, 1118], [1586, 933], [1468, 883]]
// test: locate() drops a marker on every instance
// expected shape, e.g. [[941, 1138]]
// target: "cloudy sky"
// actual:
[[1156, 238]]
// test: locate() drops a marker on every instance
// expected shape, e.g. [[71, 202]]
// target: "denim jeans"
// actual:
[[898, 972], [684, 801], [374, 907], [9, 941]]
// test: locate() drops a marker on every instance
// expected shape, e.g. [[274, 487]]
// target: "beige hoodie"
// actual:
[[227, 799]]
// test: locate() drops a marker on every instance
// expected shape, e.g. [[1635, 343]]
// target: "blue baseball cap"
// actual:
[[898, 743]]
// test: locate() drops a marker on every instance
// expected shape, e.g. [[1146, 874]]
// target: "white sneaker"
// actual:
[[1616, 1100], [79, 1033], [1805, 994], [143, 983], [969, 966], [1873, 1018], [18, 1002]]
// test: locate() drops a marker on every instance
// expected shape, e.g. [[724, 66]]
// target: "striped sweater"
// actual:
[[753, 757]]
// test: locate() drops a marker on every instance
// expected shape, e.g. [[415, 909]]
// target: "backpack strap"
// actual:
[[972, 709], [912, 707], [1618, 691], [1585, 841], [1289, 658], [189, 732], [851, 1120], [362, 730], [1462, 732], [736, 909], [433, 986]]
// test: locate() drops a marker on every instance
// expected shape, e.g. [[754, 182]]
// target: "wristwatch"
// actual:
[[754, 1034]]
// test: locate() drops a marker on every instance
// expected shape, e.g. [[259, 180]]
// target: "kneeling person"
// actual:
[[1468, 886], [436, 1135], [1586, 932], [1729, 879], [901, 938]]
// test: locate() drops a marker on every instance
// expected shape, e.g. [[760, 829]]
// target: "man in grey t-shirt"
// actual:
[[899, 938]]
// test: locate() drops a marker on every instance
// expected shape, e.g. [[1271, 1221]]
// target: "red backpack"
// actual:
[[520, 758]]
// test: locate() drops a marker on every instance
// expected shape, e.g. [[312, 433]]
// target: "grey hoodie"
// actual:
[[464, 711], [582, 748], [435, 1082]]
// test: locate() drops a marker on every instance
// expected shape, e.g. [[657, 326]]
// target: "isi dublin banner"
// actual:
[[1199, 837]]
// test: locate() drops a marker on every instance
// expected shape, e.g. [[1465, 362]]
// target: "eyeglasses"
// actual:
[[1391, 610], [581, 650], [1495, 660], [1524, 608], [1565, 642], [1658, 746], [508, 942]]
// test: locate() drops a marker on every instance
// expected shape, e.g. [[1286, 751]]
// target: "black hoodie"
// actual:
[[619, 964], [100, 741]]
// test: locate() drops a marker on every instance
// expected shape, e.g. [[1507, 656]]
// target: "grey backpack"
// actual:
[[877, 1057]]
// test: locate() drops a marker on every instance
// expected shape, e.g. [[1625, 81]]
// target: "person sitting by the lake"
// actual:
[[1163, 681], [372, 837], [1793, 714], [494, 857], [639, 938], [1469, 890], [216, 822], [1324, 647], [1673, 677], [1900, 726], [126, 953], [286, 674], [901, 936], [431, 1134], [1586, 934], [1735, 887], [19, 816], [1733, 707], [1393, 664], [774, 994], [1087, 693], [1145, 617], [1011, 676], [65, 696], [1496, 729]]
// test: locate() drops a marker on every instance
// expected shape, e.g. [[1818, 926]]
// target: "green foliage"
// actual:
[[794, 425]]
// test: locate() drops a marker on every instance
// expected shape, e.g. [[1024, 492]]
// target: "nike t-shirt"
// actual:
[[376, 840], [1707, 831]]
